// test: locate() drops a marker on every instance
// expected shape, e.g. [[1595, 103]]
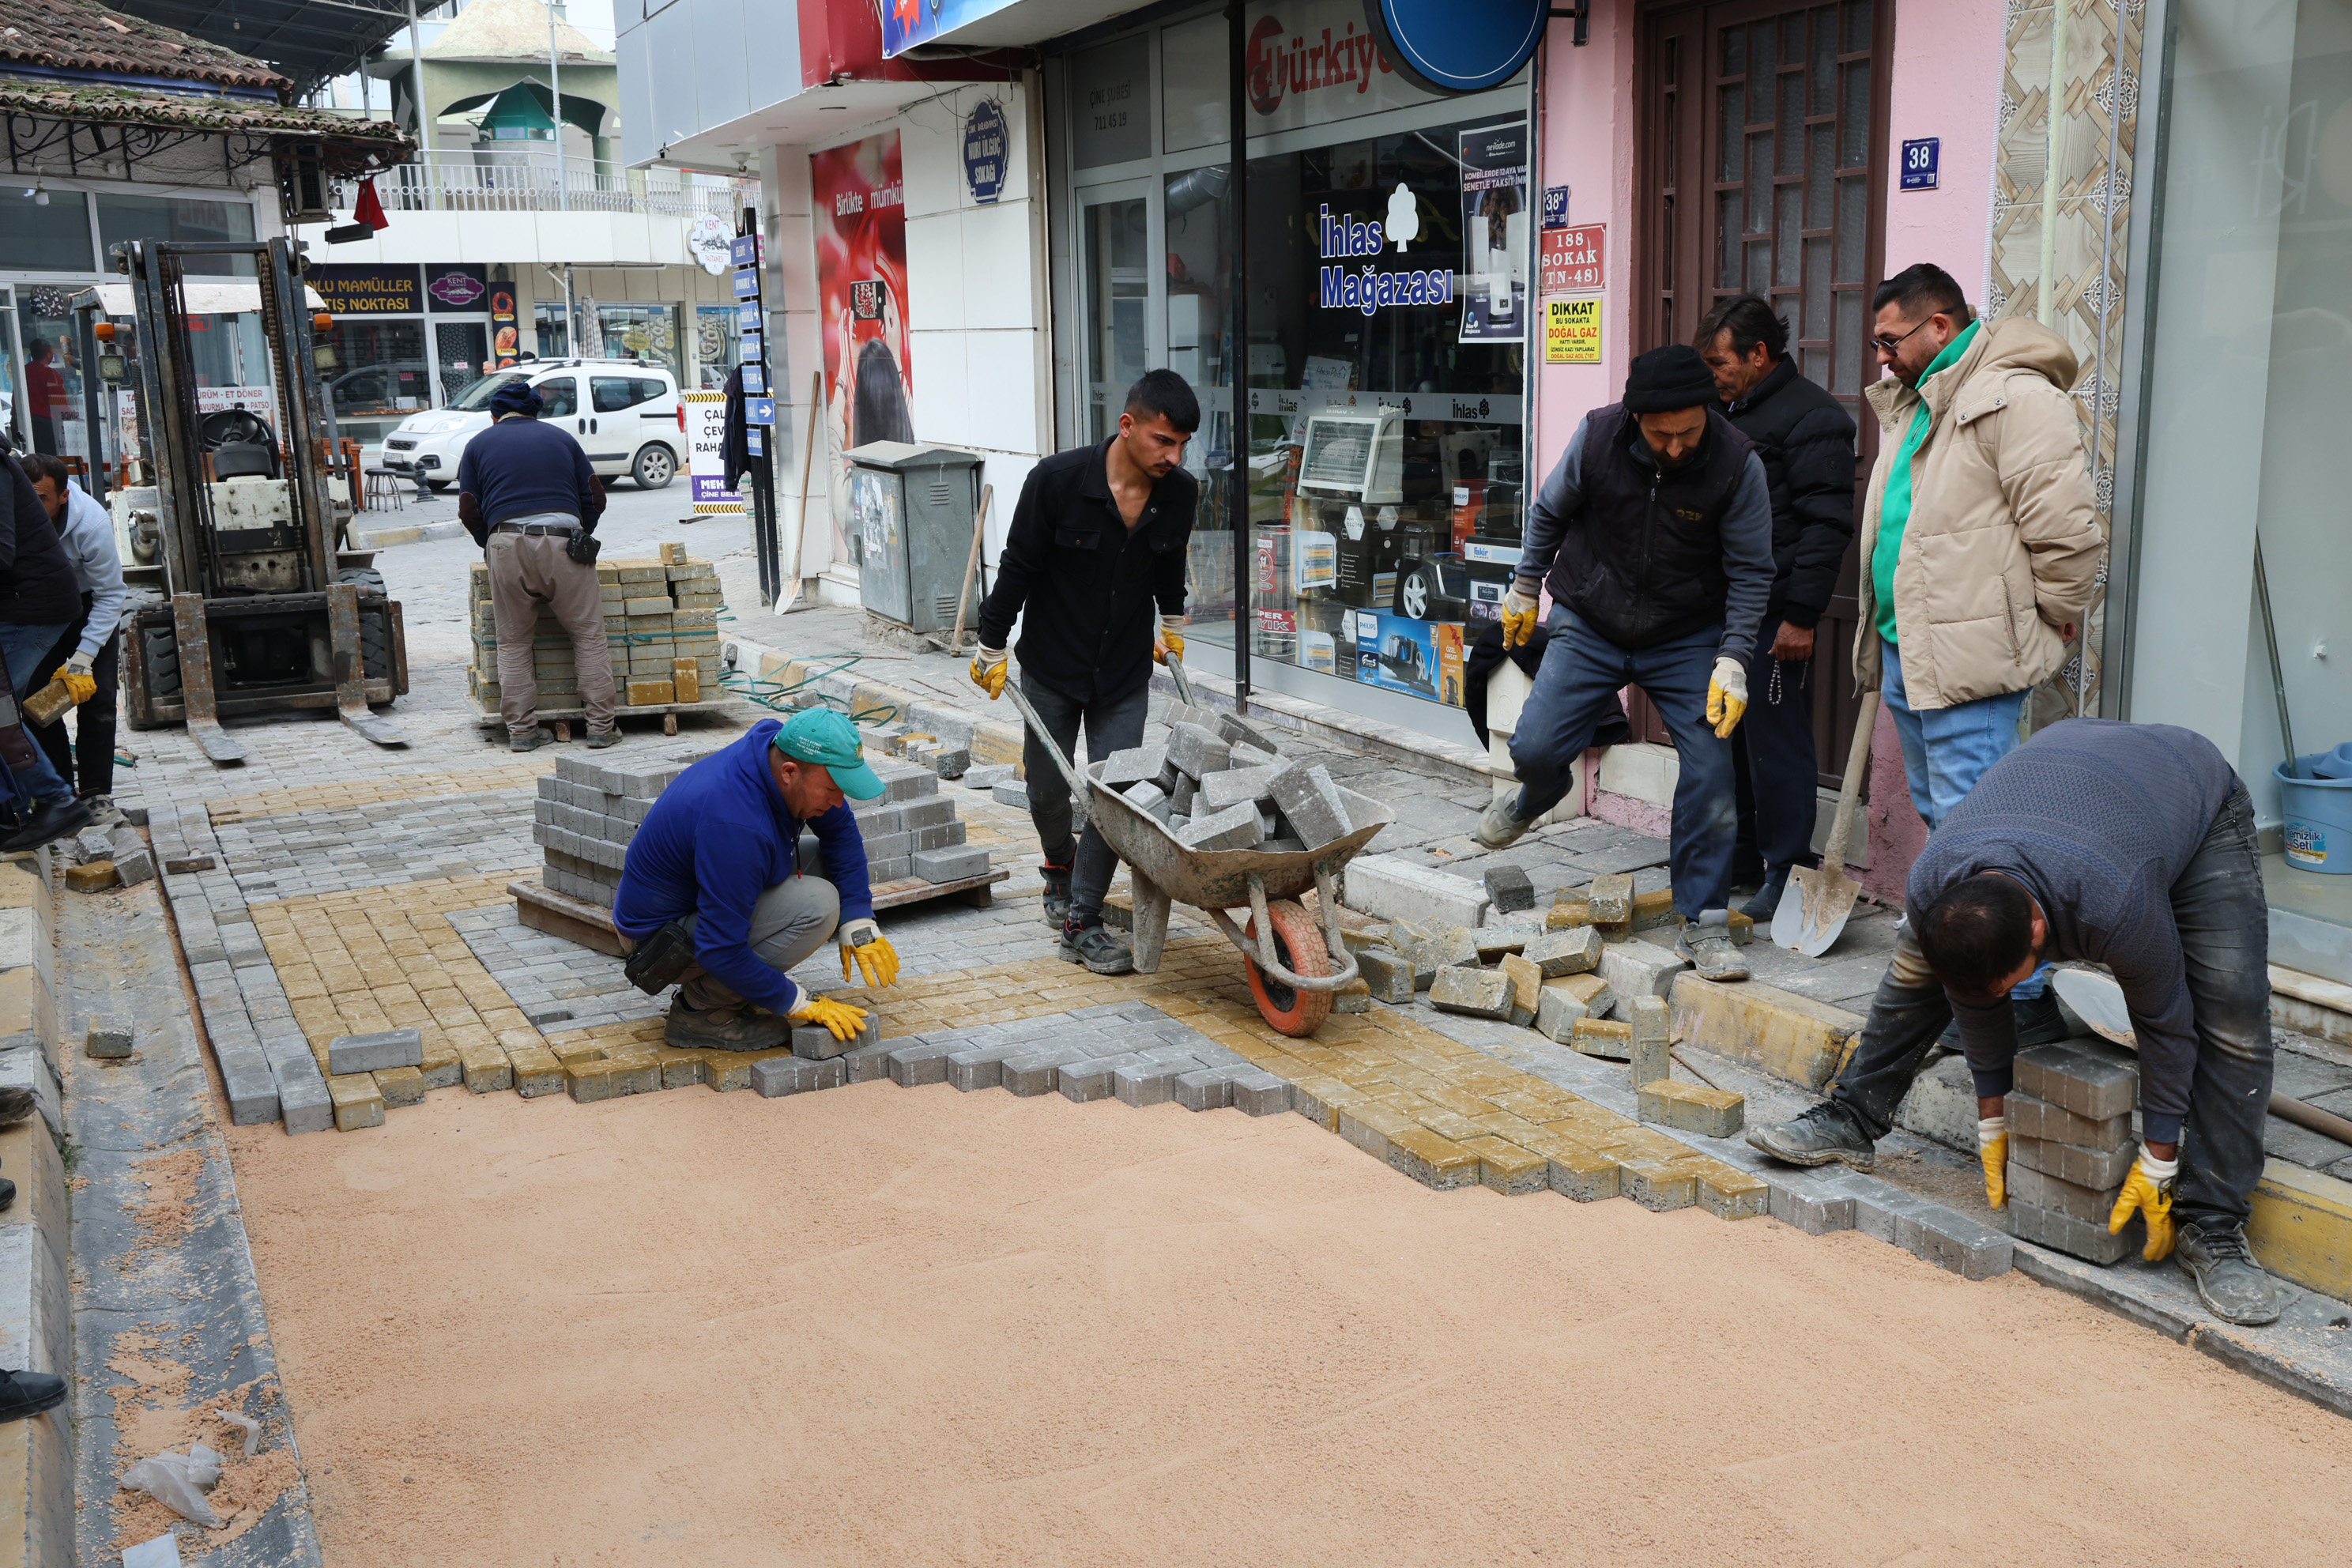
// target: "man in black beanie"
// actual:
[[1656, 530]]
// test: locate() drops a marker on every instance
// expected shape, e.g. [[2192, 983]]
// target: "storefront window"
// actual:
[[122, 217], [53, 238], [716, 333], [382, 375], [52, 372], [552, 325], [641, 331]]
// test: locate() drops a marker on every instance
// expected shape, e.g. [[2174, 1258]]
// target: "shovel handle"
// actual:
[[1858, 759]]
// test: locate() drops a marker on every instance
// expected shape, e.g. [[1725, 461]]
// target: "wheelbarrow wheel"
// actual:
[[1298, 944]]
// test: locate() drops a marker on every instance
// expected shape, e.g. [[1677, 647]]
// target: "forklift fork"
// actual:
[[351, 668], [195, 646]]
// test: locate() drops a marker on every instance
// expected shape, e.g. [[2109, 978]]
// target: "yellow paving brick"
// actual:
[[1432, 1161], [1507, 1168], [358, 1101], [1730, 1193]]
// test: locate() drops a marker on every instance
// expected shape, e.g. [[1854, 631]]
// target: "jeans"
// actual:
[[1576, 687], [1113, 726], [1772, 757], [2224, 924], [86, 759], [1947, 750], [26, 649], [789, 922]]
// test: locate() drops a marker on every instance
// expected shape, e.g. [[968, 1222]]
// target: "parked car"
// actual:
[[630, 420]]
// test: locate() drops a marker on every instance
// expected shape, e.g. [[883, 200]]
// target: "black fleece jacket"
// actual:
[[1806, 440], [38, 586]]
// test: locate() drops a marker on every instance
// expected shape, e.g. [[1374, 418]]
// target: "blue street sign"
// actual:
[[747, 283], [1443, 46], [1919, 159], [752, 349], [759, 411], [985, 149], [755, 380], [744, 250], [1555, 207], [755, 440], [747, 316]]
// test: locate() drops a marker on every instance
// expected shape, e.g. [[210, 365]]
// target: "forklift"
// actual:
[[257, 613]]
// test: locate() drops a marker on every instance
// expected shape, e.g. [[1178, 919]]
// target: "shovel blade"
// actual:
[[1813, 913]]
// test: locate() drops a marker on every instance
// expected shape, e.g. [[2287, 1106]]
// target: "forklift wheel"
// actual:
[[151, 674]]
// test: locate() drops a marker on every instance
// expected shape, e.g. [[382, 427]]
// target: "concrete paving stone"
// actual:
[[1145, 1082], [1692, 1108], [251, 1086], [1235, 787], [1260, 1093], [1390, 888], [948, 865], [773, 1076], [2033, 1117], [2029, 1186], [1095, 1077], [1482, 992], [1810, 1204], [2090, 1077], [1574, 951], [1204, 1088], [1503, 937], [1510, 888], [107, 1037], [1196, 751], [1388, 975], [354, 1054], [912, 1065]]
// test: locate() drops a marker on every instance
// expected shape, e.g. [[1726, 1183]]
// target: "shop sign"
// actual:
[[1309, 62], [1574, 258], [1572, 330], [366, 291], [1555, 207], [712, 242], [1920, 157], [984, 141], [1111, 103], [1443, 46], [706, 430], [506, 340], [456, 286], [1368, 290]]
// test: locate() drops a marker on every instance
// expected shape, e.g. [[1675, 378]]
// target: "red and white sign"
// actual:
[[1572, 258]]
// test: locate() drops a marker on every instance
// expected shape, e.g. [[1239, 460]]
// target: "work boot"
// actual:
[[2039, 1022], [24, 1394], [531, 740], [1057, 895], [1826, 1133], [2229, 1281], [600, 739], [1767, 902], [1096, 947], [692, 1029], [51, 819], [15, 1104], [1500, 825], [1706, 944]]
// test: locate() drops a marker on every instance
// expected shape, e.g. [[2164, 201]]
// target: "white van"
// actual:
[[626, 413]]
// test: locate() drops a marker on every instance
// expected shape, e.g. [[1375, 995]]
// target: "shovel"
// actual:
[[1813, 911]]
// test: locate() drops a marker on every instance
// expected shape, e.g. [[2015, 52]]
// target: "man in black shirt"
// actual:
[[1097, 544], [1806, 442]]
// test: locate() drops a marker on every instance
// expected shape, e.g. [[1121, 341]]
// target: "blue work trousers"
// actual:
[[25, 650]]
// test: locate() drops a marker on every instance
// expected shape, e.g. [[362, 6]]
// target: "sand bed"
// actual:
[[886, 1326]]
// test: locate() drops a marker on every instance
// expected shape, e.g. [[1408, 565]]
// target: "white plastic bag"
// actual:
[[251, 1428], [179, 1482]]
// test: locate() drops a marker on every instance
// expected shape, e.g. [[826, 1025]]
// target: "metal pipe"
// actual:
[[2327, 1123], [1237, 357], [556, 86], [2108, 296], [2278, 674], [416, 81], [2053, 145]]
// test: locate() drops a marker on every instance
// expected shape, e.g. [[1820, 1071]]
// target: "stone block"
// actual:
[[1652, 1041], [1573, 950], [133, 866], [651, 693], [251, 1086], [1311, 803], [1527, 988], [400, 1086], [773, 1076], [1658, 1186], [1143, 1082], [1235, 787], [1788, 1036], [2083, 1238], [1149, 799], [1640, 969], [352, 1054], [1569, 911], [1356, 996], [1610, 898], [1480, 993], [1730, 1193], [92, 877], [107, 1037], [1810, 1204], [1506, 937], [1183, 795], [304, 1100], [1090, 1079], [2033, 1117], [1507, 1168], [1510, 890], [1389, 974], [1431, 949], [1261, 1093], [1569, 998], [1390, 888], [1237, 828], [1236, 730], [2090, 1077], [1953, 1242], [951, 865], [939, 836], [1137, 764], [913, 1064], [2099, 1168], [1013, 792], [1603, 1038], [917, 815], [1576, 1171], [987, 776], [1693, 1108], [357, 1101], [92, 843], [1205, 1089], [1197, 752], [1432, 1161], [1941, 1104], [2029, 1186]]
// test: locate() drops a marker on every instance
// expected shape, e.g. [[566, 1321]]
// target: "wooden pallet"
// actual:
[[561, 720], [543, 908]]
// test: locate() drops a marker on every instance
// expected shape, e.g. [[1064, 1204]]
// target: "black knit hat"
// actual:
[[1669, 378]]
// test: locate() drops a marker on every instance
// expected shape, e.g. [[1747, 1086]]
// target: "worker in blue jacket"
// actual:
[[754, 854]]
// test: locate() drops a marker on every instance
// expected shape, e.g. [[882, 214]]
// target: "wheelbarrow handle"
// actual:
[[1176, 674], [1080, 797]]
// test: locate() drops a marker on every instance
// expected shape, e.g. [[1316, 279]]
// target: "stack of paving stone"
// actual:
[[1216, 783], [588, 813], [661, 622], [2071, 1147]]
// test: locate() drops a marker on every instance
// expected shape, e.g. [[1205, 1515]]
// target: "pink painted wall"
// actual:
[[1948, 70], [1587, 141]]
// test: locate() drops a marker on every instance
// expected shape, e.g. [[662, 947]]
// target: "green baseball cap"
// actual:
[[821, 736]]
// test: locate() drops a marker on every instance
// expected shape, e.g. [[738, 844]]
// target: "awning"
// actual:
[[528, 105], [229, 297]]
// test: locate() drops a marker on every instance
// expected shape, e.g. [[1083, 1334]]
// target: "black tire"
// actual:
[[366, 579], [437, 486], [655, 466], [159, 671], [375, 625]]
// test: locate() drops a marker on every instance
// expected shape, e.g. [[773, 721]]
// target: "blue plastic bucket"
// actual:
[[2318, 820]]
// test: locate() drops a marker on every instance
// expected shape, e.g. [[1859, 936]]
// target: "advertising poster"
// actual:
[[506, 340], [706, 428], [908, 23], [861, 281], [1494, 233], [1572, 330], [1402, 654]]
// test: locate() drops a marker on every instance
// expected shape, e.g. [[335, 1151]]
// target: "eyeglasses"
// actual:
[[1888, 345]]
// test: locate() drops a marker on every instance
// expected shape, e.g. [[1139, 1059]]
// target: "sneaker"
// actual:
[[1707, 945], [530, 742], [1826, 1133], [1057, 895], [1097, 948], [1500, 825], [691, 1028], [2039, 1022], [600, 739], [52, 819], [24, 1394], [2229, 1281], [1767, 902]]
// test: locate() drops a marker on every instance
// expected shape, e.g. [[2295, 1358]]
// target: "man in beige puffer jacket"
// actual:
[[1981, 542]]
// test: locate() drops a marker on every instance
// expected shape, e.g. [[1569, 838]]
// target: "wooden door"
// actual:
[[1762, 145]]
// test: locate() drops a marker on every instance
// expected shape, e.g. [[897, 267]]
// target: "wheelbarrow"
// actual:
[[1290, 962]]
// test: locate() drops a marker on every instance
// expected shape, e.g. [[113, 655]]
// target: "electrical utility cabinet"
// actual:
[[911, 512]]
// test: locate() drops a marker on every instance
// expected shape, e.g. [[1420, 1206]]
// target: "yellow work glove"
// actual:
[[1519, 616], [842, 1019], [1170, 641], [79, 683], [1992, 1149], [989, 669], [863, 943], [2148, 1189], [1727, 696]]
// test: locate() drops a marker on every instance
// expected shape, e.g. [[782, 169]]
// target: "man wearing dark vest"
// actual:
[[1656, 530], [1806, 442]]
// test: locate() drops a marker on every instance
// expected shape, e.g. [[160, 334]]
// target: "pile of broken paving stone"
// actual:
[[1216, 782]]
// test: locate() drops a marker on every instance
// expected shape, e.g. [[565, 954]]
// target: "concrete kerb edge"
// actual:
[[37, 1464], [404, 534]]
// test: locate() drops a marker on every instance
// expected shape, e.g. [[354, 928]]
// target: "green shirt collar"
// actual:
[[1952, 352]]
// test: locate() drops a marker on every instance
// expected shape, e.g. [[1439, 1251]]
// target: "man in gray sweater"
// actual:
[[2130, 846]]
